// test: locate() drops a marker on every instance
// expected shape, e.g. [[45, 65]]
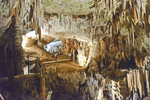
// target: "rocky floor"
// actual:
[[70, 81], [63, 79]]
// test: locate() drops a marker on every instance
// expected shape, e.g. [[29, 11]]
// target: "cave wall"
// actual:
[[78, 49], [11, 52], [21, 88]]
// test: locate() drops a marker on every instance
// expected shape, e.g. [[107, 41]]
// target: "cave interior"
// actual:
[[74, 49]]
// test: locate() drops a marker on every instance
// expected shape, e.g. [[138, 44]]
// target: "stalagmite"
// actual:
[[135, 80], [147, 81], [132, 32], [130, 82], [143, 81], [139, 83], [116, 91], [74, 56]]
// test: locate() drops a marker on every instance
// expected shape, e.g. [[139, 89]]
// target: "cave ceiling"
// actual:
[[85, 20], [71, 7]]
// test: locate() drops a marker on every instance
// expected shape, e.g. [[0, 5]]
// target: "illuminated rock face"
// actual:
[[138, 81]]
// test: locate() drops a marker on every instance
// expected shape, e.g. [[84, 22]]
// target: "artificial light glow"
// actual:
[[53, 46], [82, 60], [24, 41], [25, 70], [31, 34], [44, 30]]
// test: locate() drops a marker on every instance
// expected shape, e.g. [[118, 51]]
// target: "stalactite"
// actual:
[[103, 4], [135, 15], [124, 4], [132, 32], [70, 24], [64, 23], [31, 13], [60, 19], [111, 4], [58, 26], [107, 5], [136, 80], [67, 22], [96, 6], [143, 7], [130, 2], [11, 1], [114, 25], [38, 31], [114, 5], [138, 8]]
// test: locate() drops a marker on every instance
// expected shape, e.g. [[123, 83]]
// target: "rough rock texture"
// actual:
[[112, 34], [27, 88], [64, 79], [11, 52], [74, 85]]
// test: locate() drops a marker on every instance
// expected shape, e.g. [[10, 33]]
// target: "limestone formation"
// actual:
[[104, 55]]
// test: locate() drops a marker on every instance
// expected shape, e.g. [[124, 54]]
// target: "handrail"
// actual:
[[56, 61], [30, 56], [19, 76]]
